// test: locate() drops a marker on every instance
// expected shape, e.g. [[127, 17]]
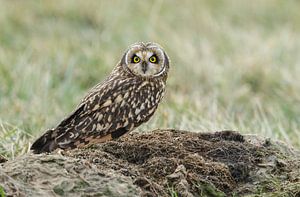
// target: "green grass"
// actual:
[[172, 192], [2, 193], [235, 64]]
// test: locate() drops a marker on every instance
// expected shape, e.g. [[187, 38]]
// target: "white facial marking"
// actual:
[[143, 67]]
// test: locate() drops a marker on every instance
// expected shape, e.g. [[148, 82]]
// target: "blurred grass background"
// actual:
[[235, 64]]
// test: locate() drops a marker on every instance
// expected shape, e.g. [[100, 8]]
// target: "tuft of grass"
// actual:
[[206, 189], [234, 66], [173, 192], [13, 140], [275, 188], [2, 193]]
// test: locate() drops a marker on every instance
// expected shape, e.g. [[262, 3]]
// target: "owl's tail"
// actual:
[[45, 143]]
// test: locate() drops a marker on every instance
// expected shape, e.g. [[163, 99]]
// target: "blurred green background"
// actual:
[[235, 64]]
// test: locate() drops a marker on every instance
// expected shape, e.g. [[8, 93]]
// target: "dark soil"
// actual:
[[178, 163]]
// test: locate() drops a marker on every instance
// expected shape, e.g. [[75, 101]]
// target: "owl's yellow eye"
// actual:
[[153, 59], [136, 59]]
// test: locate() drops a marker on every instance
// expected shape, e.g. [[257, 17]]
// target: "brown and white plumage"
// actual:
[[126, 99]]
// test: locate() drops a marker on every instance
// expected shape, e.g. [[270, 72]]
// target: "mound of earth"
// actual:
[[160, 163]]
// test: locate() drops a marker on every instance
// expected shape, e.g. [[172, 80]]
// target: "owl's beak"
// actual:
[[144, 66]]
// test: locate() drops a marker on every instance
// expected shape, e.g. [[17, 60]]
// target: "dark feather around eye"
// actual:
[[133, 57], [156, 58]]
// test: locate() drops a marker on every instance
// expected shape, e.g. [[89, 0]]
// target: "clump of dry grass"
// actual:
[[12, 141]]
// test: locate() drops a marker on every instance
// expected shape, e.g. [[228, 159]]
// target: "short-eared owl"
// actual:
[[127, 98]]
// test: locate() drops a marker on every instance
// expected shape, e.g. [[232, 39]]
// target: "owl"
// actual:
[[128, 97]]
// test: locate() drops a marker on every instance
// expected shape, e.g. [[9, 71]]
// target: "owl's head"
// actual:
[[146, 60]]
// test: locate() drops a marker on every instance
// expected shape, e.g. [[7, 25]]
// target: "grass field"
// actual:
[[235, 64]]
